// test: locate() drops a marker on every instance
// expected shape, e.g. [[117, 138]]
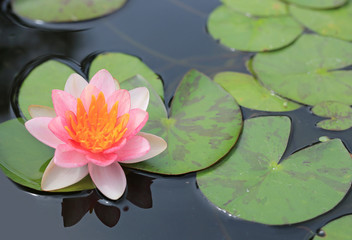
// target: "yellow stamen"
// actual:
[[98, 129]]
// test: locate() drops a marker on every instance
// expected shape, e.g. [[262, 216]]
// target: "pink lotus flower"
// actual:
[[93, 127]]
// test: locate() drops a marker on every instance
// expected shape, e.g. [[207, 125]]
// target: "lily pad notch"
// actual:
[[250, 184]]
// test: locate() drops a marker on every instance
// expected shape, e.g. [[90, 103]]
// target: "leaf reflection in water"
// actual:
[[138, 193]]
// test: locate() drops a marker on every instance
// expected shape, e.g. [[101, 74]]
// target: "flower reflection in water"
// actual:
[[138, 193]]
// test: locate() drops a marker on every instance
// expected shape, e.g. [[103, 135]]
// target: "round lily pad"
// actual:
[[335, 22], [123, 66], [339, 229], [250, 94], [340, 115], [319, 4], [250, 184], [258, 7], [37, 87], [23, 158], [204, 124], [307, 71], [64, 11], [246, 33]]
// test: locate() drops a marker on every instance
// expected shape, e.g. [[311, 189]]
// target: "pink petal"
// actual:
[[86, 96], [110, 180], [157, 146], [41, 111], [56, 177], [139, 98], [117, 146], [123, 97], [101, 159], [63, 102], [137, 120], [67, 157], [75, 85], [135, 147], [104, 82], [38, 127], [57, 126]]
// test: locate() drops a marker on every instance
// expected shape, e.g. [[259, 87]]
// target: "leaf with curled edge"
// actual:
[[65, 11]]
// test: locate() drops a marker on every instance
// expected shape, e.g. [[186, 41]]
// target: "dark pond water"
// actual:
[[170, 37]]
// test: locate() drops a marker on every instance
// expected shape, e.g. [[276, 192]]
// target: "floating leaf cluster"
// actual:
[[248, 180]]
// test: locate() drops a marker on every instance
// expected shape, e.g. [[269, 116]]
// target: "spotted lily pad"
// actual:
[[339, 229], [335, 22], [123, 66], [319, 4], [64, 11], [23, 158], [307, 71], [246, 33], [340, 115], [258, 7], [204, 124], [250, 94], [249, 182], [37, 87]]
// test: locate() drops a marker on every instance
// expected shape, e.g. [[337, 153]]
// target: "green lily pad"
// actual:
[[23, 158], [306, 71], [339, 229], [250, 94], [123, 66], [204, 124], [318, 4], [65, 11], [246, 33], [335, 22], [258, 7], [42, 79], [340, 114], [250, 184]]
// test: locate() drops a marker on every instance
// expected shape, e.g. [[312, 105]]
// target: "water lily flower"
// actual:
[[94, 127]]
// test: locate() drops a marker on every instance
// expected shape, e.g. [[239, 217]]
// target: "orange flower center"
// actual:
[[98, 129]]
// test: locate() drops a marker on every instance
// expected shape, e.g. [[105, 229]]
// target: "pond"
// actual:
[[171, 37]]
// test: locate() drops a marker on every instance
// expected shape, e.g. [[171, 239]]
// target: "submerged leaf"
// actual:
[[250, 94], [307, 71], [249, 182], [246, 33], [204, 124], [340, 114], [65, 11]]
